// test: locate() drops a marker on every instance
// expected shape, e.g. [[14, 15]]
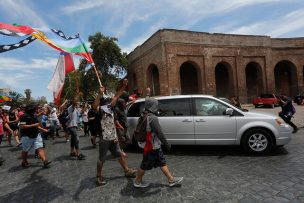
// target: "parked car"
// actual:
[[299, 99], [271, 100], [206, 120]]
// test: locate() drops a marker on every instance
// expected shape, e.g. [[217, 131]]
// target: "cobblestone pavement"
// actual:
[[211, 174]]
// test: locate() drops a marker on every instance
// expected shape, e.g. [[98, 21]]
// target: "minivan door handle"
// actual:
[[200, 120], [187, 121]]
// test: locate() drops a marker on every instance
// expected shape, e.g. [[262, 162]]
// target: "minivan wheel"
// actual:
[[257, 141]]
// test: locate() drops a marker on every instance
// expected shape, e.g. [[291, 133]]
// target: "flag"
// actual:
[[22, 43], [58, 40], [4, 98], [15, 30], [64, 66]]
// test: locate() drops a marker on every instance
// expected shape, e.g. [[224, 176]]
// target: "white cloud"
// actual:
[[14, 72], [14, 64], [277, 27], [20, 11]]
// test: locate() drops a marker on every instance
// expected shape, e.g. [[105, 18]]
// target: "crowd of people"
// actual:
[[104, 121]]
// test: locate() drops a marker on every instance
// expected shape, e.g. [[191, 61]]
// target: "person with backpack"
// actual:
[[288, 110], [150, 137], [109, 140]]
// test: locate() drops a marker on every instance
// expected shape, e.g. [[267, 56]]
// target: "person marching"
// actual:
[[287, 112], [109, 140], [153, 155], [30, 136]]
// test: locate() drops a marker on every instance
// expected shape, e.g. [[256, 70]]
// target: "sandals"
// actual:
[[100, 181], [131, 173]]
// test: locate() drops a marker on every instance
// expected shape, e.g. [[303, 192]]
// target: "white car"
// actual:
[[206, 120]]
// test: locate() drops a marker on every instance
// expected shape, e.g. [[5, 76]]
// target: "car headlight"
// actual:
[[279, 121]]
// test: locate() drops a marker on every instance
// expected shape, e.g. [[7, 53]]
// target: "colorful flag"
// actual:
[[22, 43], [4, 98], [64, 66], [58, 40], [15, 30]]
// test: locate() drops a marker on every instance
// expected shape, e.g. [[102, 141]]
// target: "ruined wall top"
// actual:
[[214, 39]]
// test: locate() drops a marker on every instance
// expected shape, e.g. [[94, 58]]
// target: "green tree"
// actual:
[[27, 93], [18, 99], [110, 61]]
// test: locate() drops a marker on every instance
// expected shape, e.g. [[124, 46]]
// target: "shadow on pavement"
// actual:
[[88, 148], [59, 142], [130, 190], [37, 190], [63, 158], [220, 151], [85, 184]]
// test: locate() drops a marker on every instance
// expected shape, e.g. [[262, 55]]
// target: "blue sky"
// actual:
[[132, 22]]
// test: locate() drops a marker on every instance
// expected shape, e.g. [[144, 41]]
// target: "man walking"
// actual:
[[153, 156], [30, 136], [287, 112], [109, 139]]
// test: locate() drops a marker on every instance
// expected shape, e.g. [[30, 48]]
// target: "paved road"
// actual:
[[212, 174]]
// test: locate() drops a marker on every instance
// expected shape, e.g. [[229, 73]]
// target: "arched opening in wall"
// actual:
[[254, 80], [153, 79], [286, 81], [189, 79], [224, 80]]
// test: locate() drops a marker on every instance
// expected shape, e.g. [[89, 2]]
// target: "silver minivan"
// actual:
[[207, 120]]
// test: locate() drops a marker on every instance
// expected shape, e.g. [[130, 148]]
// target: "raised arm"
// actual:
[[119, 92], [95, 105]]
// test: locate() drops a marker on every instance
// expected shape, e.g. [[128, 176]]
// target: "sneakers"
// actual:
[[25, 164], [142, 184], [100, 181], [81, 157], [46, 163], [131, 173], [175, 181]]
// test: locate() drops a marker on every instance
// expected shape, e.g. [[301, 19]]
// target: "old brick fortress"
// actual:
[[184, 62]]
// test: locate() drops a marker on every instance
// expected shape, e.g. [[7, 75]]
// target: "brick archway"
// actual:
[[254, 80], [189, 78], [224, 80], [153, 79], [286, 82]]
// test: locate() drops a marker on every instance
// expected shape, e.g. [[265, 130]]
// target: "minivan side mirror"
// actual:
[[229, 111]]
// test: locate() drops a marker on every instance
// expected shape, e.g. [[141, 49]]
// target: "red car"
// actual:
[[266, 100]]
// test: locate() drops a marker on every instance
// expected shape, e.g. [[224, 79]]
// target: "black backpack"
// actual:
[[64, 117], [141, 128]]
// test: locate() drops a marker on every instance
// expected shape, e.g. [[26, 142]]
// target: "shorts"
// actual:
[[105, 145], [14, 126], [28, 142], [153, 159]]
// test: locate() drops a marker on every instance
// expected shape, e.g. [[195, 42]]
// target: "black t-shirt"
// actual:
[[27, 119], [94, 122]]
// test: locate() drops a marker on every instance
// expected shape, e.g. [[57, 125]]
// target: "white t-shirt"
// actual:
[[85, 116], [73, 117]]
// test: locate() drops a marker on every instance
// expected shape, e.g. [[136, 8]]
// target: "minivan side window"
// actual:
[[136, 109], [209, 107], [174, 107]]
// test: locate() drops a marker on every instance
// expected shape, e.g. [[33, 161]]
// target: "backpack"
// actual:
[[141, 128], [292, 110], [64, 117]]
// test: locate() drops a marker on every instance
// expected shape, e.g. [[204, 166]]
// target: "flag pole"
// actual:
[[97, 75]]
